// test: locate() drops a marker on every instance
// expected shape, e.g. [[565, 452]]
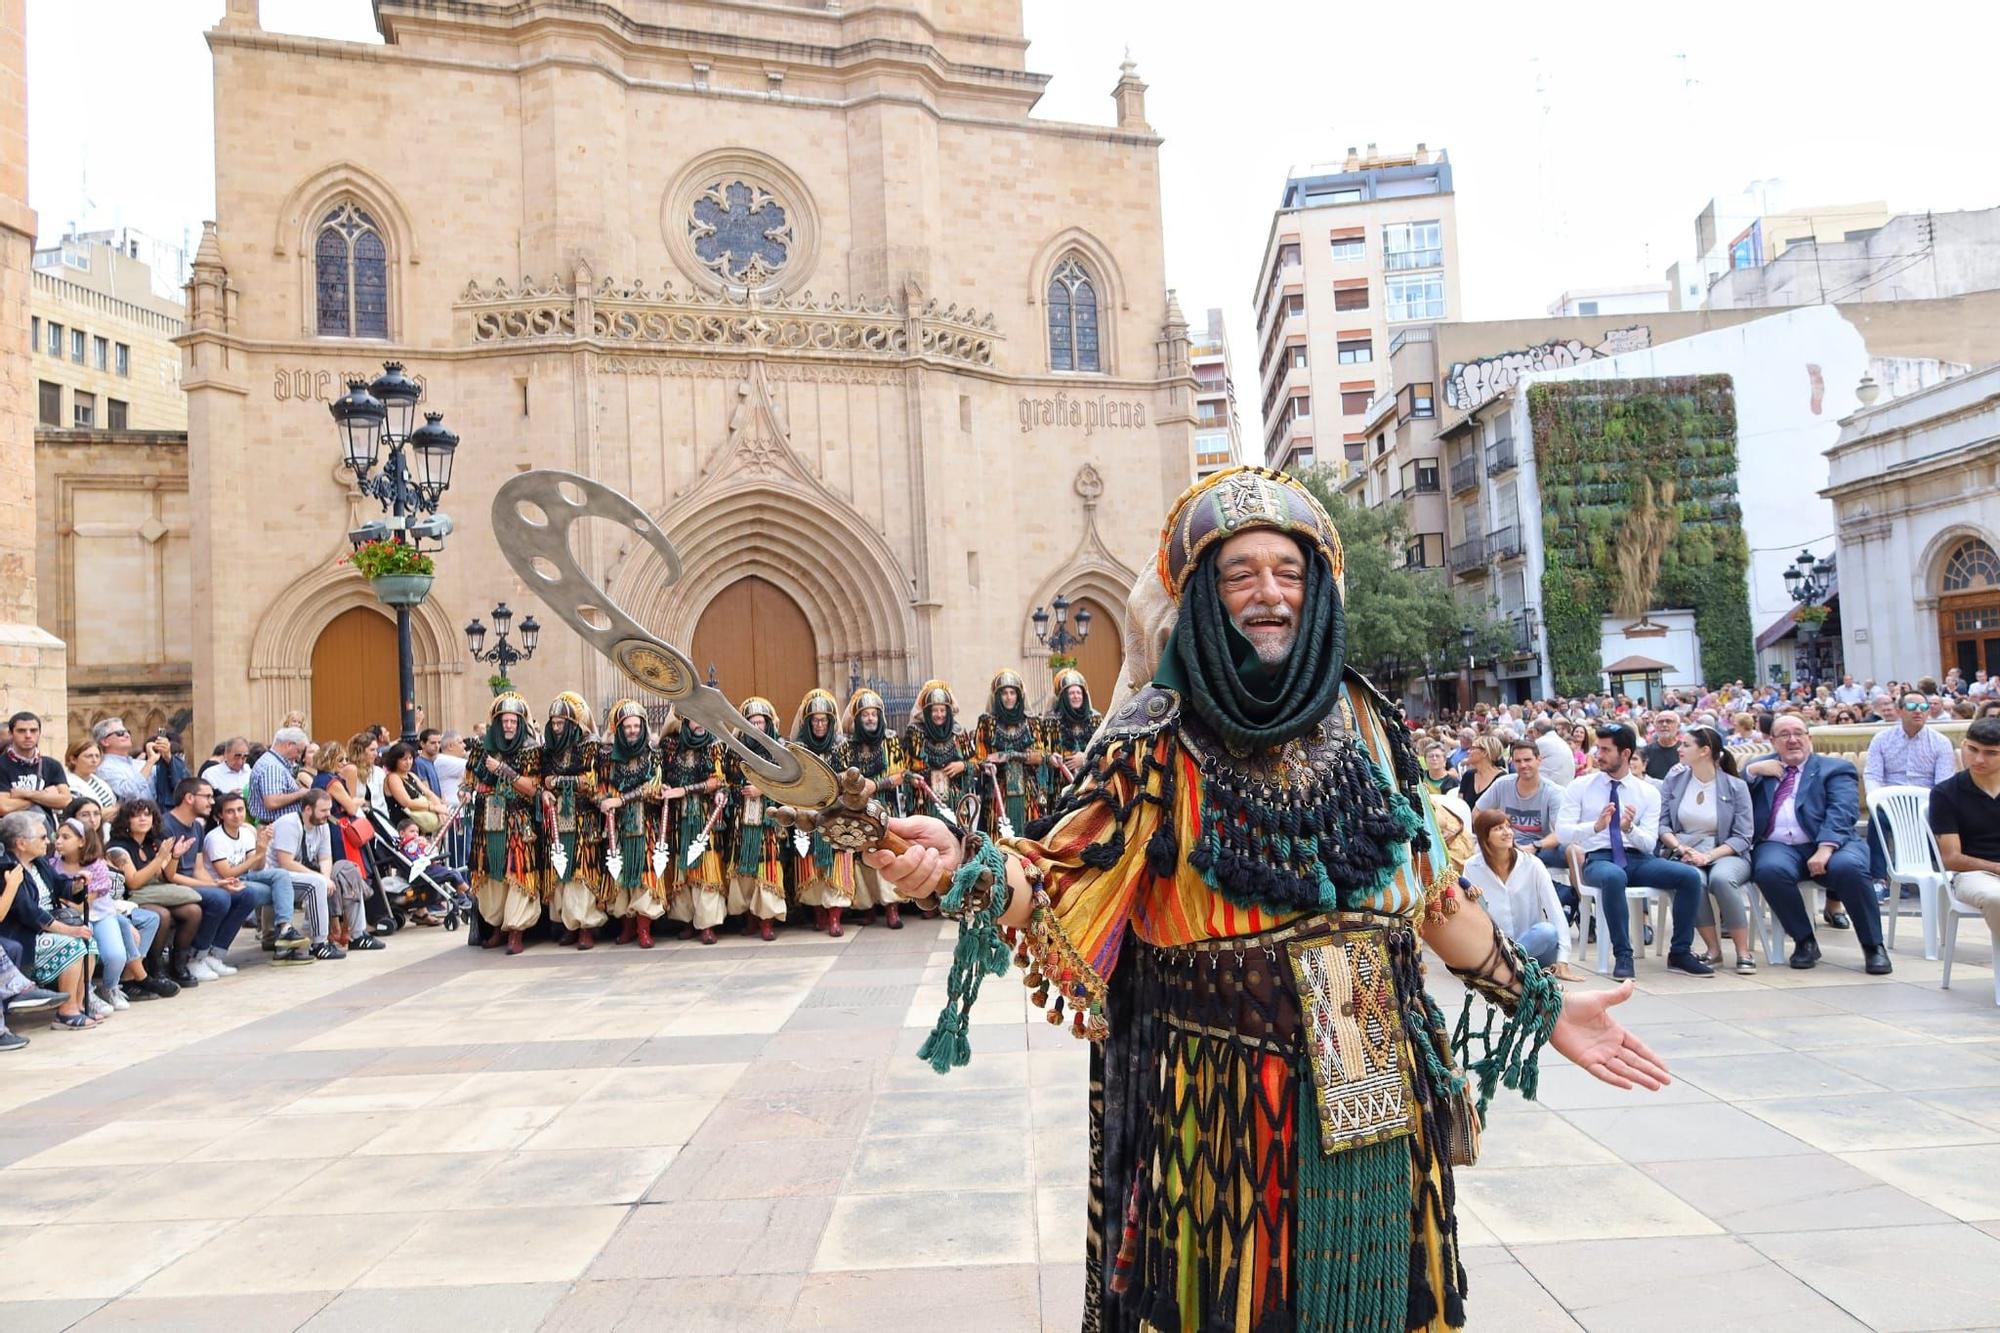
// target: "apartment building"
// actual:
[[104, 356], [1218, 431], [1357, 250]]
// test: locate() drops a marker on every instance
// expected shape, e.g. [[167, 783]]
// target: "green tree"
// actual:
[[1398, 616]]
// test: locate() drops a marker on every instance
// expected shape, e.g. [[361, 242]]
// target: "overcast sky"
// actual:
[[1583, 138]]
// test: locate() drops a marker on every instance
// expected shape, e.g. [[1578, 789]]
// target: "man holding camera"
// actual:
[[129, 774]]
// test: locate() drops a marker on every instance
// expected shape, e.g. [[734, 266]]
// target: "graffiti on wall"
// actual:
[[1472, 383]]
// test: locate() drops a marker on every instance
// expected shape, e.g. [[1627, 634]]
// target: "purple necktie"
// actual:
[[1617, 829], [1786, 786]]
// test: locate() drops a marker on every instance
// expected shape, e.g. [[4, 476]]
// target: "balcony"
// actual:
[[1500, 458], [1505, 543], [1464, 476], [1396, 261], [1468, 555]]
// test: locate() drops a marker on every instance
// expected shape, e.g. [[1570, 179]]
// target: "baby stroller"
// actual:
[[406, 883]]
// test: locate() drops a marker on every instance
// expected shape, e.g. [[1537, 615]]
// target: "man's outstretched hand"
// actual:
[[1592, 1040], [925, 869]]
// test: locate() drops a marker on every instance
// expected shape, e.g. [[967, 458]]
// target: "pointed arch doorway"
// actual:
[[353, 675], [1101, 656], [760, 642]]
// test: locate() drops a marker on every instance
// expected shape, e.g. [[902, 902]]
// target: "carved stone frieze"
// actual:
[[835, 328]]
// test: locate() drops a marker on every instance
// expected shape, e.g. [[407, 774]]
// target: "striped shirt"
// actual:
[[1897, 759], [271, 776]]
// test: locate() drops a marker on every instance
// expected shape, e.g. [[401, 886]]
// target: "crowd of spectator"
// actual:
[[1717, 800], [126, 876]]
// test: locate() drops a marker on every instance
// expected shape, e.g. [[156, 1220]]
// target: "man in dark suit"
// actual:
[[1806, 808]]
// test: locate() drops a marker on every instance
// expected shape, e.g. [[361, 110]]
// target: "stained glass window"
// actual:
[[350, 276], [1073, 332], [742, 231], [1972, 565]]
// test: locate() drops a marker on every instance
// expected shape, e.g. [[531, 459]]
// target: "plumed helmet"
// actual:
[[508, 703], [1069, 676], [758, 706], [856, 702], [816, 701], [1006, 678], [570, 706], [1239, 499], [933, 692], [625, 708]]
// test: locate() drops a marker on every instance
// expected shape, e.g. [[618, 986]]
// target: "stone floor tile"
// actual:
[[138, 1143], [664, 1083], [1567, 1088], [777, 1117], [990, 1160], [407, 1183], [1502, 1294], [1062, 1223], [1979, 1105], [461, 1130], [267, 1312], [1920, 1069], [943, 1110], [834, 1072], [1699, 1038], [476, 1247], [1801, 1193], [989, 1069], [554, 1178], [540, 1087], [226, 1190], [739, 1048], [1866, 1122], [1828, 1031], [1525, 1136], [1062, 1297], [921, 1301], [515, 1307], [283, 1254], [1963, 1181], [30, 1198], [1683, 1133], [1867, 1273], [43, 1316], [286, 1138], [1529, 1205], [869, 1231], [1613, 1284], [717, 1237], [1876, 999], [668, 1122], [788, 1168], [758, 1304], [361, 1096], [1743, 1004], [1732, 1078], [47, 1263]]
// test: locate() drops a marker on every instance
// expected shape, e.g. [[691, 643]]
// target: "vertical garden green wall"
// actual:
[[1596, 442]]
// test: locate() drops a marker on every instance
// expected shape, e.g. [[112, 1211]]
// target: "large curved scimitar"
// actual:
[[533, 516]]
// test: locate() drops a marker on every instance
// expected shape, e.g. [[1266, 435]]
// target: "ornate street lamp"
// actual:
[[1466, 634], [1059, 639], [367, 417], [503, 654]]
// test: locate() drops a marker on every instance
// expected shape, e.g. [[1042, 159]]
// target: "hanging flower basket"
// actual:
[[402, 589]]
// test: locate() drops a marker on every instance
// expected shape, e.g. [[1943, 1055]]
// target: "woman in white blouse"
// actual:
[[1518, 894], [1705, 820], [81, 769]]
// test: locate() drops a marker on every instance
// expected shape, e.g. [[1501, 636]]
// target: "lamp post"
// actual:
[[1466, 634], [368, 417], [503, 653], [1059, 640], [1809, 581]]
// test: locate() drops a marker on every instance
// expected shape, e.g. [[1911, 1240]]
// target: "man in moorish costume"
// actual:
[[826, 877], [572, 835], [628, 794], [869, 746], [503, 768], [1008, 744], [693, 782], [1068, 727], [937, 751], [1232, 900], [757, 844]]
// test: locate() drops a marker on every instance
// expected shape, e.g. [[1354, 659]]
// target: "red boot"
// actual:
[[628, 930], [895, 918], [707, 936], [495, 937], [514, 942], [586, 939], [819, 919], [833, 922], [767, 934], [645, 931]]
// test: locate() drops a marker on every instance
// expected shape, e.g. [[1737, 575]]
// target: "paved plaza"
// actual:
[[740, 1137]]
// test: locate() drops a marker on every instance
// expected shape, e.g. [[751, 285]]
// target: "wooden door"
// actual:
[[354, 675], [1101, 655], [759, 642]]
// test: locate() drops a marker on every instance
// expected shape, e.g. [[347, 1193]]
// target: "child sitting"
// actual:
[[417, 848]]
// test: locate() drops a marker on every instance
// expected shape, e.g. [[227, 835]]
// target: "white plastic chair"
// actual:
[[1953, 907], [1764, 922], [1903, 816], [1639, 905]]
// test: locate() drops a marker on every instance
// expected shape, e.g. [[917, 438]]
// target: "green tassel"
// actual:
[[981, 952], [1512, 1059]]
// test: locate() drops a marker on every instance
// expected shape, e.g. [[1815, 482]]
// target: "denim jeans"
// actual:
[[118, 944], [1541, 942], [273, 888], [1683, 881], [147, 922], [223, 914]]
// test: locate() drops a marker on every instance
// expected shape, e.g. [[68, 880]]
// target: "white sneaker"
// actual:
[[201, 970], [220, 963], [95, 1006], [118, 1000]]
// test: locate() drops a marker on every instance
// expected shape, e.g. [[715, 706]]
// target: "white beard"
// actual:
[[1271, 646]]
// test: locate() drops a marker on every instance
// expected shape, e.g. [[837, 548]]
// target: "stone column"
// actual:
[[33, 665]]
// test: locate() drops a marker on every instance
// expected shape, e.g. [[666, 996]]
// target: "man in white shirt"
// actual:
[[302, 845], [450, 765], [1848, 692], [237, 851], [230, 773], [1613, 814], [1558, 760]]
